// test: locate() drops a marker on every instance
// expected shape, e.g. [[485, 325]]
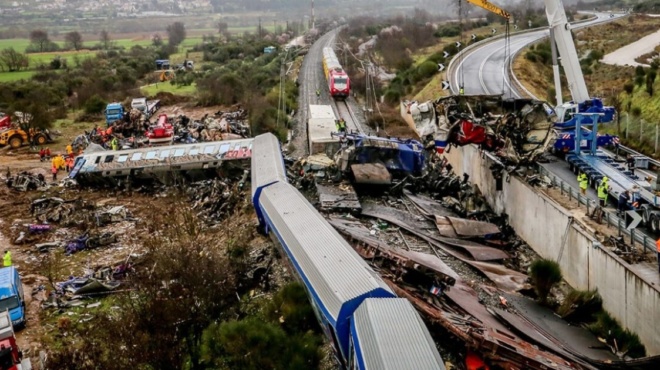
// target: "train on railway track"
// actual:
[[367, 324], [339, 84]]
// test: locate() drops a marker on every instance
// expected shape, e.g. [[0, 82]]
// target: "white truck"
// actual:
[[147, 107]]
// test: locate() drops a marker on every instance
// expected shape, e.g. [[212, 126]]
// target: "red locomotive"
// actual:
[[338, 81]]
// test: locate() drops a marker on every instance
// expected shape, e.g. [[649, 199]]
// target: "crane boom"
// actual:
[[491, 8], [554, 10]]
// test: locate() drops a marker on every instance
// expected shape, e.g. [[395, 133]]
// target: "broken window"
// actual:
[[98, 159], [108, 158], [122, 158], [136, 156]]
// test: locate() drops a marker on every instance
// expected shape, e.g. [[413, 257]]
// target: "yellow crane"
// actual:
[[491, 8]]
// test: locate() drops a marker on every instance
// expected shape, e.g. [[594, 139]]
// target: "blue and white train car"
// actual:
[[337, 279], [388, 334]]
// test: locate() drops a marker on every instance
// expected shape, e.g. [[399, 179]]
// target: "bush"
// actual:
[[607, 327], [629, 88], [545, 274], [581, 305], [447, 31], [95, 105], [427, 69], [636, 111]]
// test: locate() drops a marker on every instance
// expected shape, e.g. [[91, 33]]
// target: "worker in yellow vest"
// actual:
[[583, 181], [6, 259]]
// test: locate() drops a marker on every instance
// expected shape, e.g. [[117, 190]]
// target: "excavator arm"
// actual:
[[491, 8]]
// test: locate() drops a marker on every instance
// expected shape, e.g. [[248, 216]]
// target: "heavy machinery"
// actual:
[[5, 121], [17, 137], [166, 75]]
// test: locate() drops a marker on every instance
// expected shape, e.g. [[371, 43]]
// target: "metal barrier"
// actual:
[[609, 217]]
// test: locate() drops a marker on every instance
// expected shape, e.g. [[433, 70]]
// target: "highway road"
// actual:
[[485, 69]]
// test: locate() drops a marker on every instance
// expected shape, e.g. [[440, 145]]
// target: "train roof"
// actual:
[[390, 335], [267, 163], [166, 158], [330, 59], [332, 270]]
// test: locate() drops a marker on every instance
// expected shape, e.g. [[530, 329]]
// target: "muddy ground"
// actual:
[[34, 266]]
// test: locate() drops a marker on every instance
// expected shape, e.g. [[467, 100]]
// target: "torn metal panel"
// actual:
[[501, 348], [427, 206], [460, 227], [371, 173], [408, 263], [416, 225], [342, 196], [527, 331], [504, 278]]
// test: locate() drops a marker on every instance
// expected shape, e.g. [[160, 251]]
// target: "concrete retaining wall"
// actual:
[[542, 223]]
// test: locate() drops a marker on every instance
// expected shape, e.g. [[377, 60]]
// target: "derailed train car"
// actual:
[[99, 166], [361, 316], [518, 129]]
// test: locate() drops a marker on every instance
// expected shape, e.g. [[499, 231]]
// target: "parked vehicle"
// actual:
[[12, 298], [17, 137], [113, 112], [11, 357], [147, 107]]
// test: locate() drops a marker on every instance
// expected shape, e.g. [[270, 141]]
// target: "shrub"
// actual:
[[545, 274], [636, 111], [607, 327], [94, 105], [628, 88]]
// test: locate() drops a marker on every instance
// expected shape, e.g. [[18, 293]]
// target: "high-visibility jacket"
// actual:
[[583, 181], [657, 245], [6, 260], [69, 149], [602, 191]]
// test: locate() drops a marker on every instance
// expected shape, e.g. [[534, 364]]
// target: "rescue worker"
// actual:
[[624, 198], [583, 181], [631, 164], [62, 162], [342, 125], [69, 163], [461, 91], [318, 93], [69, 150], [603, 187], [114, 143], [47, 153], [6, 259], [42, 154], [53, 170]]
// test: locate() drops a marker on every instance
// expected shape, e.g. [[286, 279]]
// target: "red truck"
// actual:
[[11, 358], [5, 121]]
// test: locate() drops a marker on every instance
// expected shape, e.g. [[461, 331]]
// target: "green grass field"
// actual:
[[153, 89], [37, 59]]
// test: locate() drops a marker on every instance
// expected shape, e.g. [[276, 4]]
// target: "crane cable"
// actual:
[[507, 58], [461, 78]]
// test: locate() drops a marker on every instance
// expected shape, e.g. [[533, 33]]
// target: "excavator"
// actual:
[[167, 75]]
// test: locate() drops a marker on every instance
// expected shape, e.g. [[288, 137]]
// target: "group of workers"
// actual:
[[58, 162], [626, 200]]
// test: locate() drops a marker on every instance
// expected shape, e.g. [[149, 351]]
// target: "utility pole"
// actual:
[[313, 25]]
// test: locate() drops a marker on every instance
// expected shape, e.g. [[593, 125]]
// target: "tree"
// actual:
[[176, 33], [73, 40], [11, 60], [650, 80], [105, 39], [156, 40], [40, 39]]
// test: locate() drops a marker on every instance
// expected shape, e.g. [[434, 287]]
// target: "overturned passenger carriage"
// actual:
[[164, 163]]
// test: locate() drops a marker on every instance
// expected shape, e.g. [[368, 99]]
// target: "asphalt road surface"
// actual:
[[484, 70]]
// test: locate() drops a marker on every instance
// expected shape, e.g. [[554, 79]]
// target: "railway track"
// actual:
[[343, 110]]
